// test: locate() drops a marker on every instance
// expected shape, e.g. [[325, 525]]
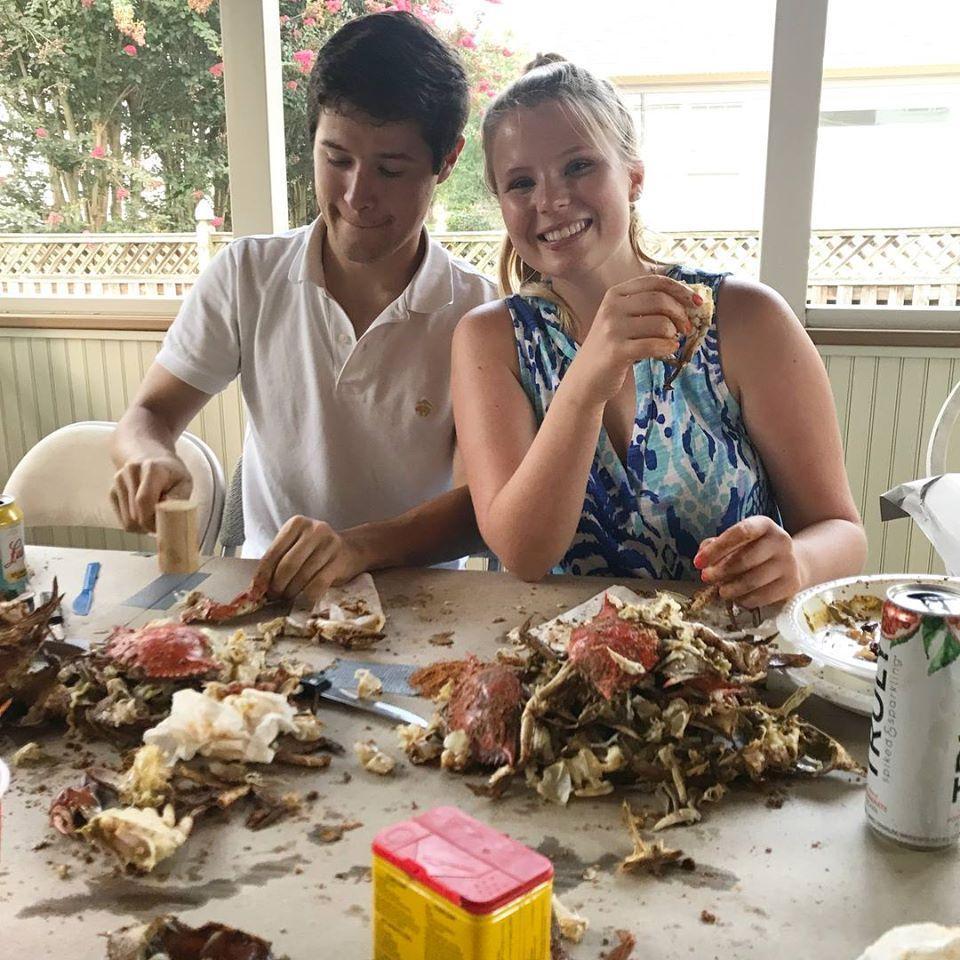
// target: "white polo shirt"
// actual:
[[338, 429]]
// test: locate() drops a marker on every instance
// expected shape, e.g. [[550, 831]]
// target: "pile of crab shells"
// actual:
[[643, 696]]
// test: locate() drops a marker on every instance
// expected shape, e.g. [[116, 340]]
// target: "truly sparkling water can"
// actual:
[[13, 564], [913, 769]]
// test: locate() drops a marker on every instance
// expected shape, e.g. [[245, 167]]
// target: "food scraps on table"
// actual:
[[642, 695]]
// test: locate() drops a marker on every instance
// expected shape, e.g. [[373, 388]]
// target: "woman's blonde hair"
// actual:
[[594, 105]]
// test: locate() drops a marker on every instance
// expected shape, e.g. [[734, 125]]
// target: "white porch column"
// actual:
[[797, 73], [254, 102]]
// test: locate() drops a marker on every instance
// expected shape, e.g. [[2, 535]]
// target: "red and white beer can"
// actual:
[[913, 767]]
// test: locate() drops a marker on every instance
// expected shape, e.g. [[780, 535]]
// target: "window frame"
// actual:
[[255, 139]]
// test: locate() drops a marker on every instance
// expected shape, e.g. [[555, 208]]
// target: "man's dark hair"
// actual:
[[392, 67]]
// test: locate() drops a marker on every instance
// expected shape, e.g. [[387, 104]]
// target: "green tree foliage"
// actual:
[[112, 111]]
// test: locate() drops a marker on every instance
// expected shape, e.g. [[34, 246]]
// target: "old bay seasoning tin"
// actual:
[[913, 767], [446, 885]]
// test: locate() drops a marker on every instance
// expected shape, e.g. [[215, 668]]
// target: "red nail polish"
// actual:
[[698, 562], [697, 299]]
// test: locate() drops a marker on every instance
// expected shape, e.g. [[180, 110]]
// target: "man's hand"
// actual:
[[307, 556], [140, 484], [754, 562]]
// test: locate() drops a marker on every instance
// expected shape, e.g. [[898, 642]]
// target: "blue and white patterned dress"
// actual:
[[691, 469]]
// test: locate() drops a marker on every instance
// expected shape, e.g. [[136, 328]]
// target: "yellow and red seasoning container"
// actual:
[[446, 885], [13, 564]]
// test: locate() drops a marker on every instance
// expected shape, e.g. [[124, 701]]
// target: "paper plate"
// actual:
[[831, 645], [835, 686]]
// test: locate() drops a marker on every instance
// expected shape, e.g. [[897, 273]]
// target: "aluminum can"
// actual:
[[13, 564], [913, 767]]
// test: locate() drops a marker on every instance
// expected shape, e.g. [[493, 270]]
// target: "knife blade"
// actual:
[[320, 686], [377, 707], [393, 677], [84, 601]]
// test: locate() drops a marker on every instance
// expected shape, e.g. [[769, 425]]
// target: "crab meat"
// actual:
[[701, 317], [164, 651], [147, 782], [372, 758], [138, 838], [486, 705], [612, 653]]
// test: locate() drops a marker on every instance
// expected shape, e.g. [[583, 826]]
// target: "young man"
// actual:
[[340, 332]]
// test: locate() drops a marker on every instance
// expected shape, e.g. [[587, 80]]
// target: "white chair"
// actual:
[[65, 479], [939, 443]]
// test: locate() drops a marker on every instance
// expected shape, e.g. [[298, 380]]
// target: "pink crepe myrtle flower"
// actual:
[[309, 22], [130, 50], [468, 41], [334, 6], [403, 6], [122, 193], [284, 20], [86, 4], [292, 84], [97, 152], [304, 59], [216, 223], [216, 69], [54, 219], [41, 133], [507, 52]]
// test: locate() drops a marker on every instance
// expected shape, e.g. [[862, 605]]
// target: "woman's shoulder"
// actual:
[[486, 330], [754, 308]]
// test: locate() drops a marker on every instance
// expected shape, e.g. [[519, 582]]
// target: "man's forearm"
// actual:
[[440, 529], [141, 434]]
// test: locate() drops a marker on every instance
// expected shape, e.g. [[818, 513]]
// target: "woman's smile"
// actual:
[[564, 235]]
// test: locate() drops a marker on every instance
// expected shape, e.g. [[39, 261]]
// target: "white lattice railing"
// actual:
[[901, 267]]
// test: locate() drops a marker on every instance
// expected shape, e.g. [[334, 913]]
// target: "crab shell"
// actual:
[[591, 644], [486, 704], [167, 651], [72, 808]]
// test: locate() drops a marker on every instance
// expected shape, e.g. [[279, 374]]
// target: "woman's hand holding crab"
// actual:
[[754, 563], [637, 319]]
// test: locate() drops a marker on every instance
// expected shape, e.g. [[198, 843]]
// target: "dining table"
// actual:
[[786, 868]]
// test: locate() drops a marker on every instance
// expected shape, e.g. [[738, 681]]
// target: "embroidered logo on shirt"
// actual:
[[424, 407]]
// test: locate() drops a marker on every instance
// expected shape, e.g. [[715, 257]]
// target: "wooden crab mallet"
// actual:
[[178, 549]]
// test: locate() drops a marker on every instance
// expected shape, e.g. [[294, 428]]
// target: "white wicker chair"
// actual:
[[65, 479]]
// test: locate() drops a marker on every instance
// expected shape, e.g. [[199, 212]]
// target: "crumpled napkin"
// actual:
[[241, 726]]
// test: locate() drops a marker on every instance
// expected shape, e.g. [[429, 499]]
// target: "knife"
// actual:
[[84, 601], [321, 686], [393, 677]]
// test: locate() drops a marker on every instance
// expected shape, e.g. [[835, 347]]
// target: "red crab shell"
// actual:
[[168, 651], [486, 703], [71, 807], [207, 610], [590, 645]]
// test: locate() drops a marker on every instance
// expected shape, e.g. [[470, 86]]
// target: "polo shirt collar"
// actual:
[[430, 289]]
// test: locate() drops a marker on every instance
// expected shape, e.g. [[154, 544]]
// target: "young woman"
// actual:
[[581, 458]]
